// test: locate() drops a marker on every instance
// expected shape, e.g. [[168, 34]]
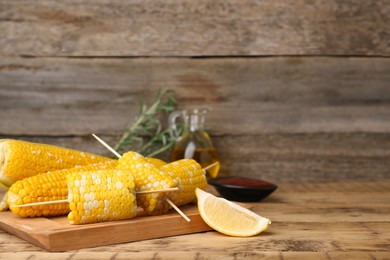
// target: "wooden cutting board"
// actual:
[[56, 234]]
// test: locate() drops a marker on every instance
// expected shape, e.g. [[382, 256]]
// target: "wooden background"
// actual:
[[298, 89]]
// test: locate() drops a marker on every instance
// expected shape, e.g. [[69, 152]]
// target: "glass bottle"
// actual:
[[194, 142]]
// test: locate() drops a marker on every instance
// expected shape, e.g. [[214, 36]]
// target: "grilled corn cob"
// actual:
[[147, 177], [99, 196], [187, 175], [46, 187], [20, 159]]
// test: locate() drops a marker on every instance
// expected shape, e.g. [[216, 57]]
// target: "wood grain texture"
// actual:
[[362, 255], [59, 96], [188, 28], [310, 220], [306, 156]]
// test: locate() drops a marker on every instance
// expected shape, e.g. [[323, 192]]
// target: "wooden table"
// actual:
[[333, 220]]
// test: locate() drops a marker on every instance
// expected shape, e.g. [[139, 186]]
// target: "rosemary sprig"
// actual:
[[146, 134]]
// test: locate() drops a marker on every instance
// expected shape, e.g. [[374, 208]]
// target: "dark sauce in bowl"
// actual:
[[243, 189], [244, 182]]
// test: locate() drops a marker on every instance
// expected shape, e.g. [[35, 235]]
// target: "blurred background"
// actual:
[[296, 90]]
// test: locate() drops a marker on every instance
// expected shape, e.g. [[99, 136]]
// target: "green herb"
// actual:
[[146, 134]]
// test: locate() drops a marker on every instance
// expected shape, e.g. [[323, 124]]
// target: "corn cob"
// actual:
[[99, 196], [147, 177], [46, 187], [20, 159], [187, 175]]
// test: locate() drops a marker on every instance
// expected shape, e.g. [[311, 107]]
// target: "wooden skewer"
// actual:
[[210, 166], [155, 191], [119, 156], [107, 146], [178, 210], [40, 203], [66, 201]]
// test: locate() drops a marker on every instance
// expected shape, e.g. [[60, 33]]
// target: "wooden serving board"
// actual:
[[56, 234]]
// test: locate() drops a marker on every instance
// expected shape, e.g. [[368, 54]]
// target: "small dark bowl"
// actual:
[[242, 189]]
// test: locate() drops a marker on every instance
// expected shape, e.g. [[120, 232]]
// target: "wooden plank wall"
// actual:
[[298, 89]]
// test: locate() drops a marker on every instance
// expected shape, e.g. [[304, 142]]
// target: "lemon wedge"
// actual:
[[229, 218]]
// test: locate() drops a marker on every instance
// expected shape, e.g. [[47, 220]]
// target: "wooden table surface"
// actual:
[[332, 220]]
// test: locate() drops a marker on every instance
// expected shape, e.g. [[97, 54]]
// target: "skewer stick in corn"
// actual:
[[41, 203], [151, 204], [178, 210], [66, 201], [107, 146], [210, 166]]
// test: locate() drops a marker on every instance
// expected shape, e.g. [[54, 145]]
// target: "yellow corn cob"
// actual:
[[99, 196], [155, 161], [46, 187], [20, 159], [187, 175], [147, 177]]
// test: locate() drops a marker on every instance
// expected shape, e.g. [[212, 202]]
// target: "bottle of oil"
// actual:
[[194, 142]]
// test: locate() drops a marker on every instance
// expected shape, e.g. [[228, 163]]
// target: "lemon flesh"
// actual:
[[229, 218]]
